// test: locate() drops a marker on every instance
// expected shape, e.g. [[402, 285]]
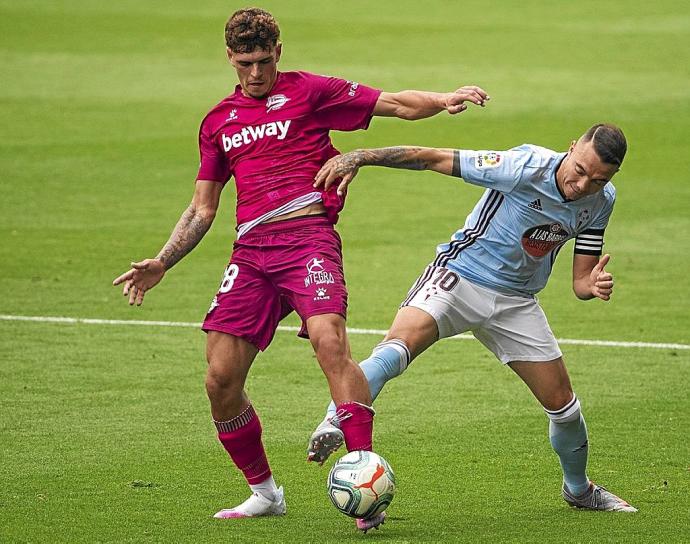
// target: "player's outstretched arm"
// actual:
[[413, 105], [190, 229], [343, 168], [590, 279]]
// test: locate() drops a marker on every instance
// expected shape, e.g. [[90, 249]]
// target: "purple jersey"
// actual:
[[275, 145]]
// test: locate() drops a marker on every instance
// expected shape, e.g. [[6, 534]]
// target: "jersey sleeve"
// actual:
[[213, 164], [591, 240], [343, 105], [499, 170]]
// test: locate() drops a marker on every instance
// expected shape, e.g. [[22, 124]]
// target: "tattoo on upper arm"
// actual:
[[456, 164], [188, 232]]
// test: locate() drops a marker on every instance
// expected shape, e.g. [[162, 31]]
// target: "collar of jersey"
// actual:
[[555, 181], [240, 96]]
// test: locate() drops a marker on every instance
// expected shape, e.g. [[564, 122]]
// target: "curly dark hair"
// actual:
[[251, 28], [609, 142]]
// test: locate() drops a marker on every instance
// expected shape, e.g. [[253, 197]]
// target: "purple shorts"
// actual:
[[276, 268]]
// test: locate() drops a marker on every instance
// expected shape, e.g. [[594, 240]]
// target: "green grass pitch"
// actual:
[[104, 430]]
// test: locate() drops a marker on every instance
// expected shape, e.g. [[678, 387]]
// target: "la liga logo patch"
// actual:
[[487, 159]]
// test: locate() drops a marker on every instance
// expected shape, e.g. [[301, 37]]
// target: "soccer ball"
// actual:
[[361, 484]]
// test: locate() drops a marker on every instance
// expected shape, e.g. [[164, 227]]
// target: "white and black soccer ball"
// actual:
[[361, 484]]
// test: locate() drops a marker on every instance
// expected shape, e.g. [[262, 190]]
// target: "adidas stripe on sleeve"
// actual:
[[590, 242]]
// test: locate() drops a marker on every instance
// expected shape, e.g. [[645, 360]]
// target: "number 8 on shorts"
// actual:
[[229, 278]]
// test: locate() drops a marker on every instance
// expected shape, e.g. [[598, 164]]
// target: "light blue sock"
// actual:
[[388, 360], [568, 436]]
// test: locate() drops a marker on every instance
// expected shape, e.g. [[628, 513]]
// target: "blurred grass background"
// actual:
[[99, 110]]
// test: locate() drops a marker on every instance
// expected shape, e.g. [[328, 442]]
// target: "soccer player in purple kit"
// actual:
[[272, 135]]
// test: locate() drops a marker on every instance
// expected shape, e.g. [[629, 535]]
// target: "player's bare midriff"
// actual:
[[317, 208]]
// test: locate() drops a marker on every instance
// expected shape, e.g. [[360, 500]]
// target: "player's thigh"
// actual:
[[415, 327], [307, 269], [548, 381], [519, 334], [453, 303], [229, 359], [246, 305], [517, 330]]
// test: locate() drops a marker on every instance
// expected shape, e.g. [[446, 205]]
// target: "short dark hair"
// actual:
[[609, 142], [251, 28]]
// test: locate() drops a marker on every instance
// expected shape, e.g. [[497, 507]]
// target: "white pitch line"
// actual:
[[378, 332]]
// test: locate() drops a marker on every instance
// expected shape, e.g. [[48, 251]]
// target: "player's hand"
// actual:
[[455, 102], [601, 280], [341, 169], [143, 276]]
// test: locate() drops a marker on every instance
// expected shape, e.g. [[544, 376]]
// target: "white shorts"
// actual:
[[513, 328]]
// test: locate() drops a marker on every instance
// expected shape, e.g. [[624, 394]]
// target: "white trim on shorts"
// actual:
[[513, 328]]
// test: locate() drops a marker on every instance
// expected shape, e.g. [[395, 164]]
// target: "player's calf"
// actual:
[[388, 360], [568, 437]]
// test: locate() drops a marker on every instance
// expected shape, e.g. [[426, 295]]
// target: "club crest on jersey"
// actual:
[[430, 292], [316, 274], [541, 240], [275, 102], [582, 217], [487, 159]]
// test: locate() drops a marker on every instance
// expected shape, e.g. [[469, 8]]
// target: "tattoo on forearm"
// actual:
[[188, 232], [393, 157], [348, 163]]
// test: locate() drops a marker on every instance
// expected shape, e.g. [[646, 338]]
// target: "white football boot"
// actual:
[[597, 498], [255, 506], [325, 440]]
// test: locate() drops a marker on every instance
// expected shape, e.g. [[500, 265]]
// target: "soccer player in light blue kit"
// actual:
[[485, 279]]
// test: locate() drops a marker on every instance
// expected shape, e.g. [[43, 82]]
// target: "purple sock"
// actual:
[[357, 424], [241, 437]]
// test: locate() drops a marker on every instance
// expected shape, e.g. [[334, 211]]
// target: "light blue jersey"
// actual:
[[510, 240]]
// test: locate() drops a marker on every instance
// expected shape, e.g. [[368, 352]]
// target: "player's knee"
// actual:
[[223, 383], [214, 386], [331, 349], [569, 411]]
